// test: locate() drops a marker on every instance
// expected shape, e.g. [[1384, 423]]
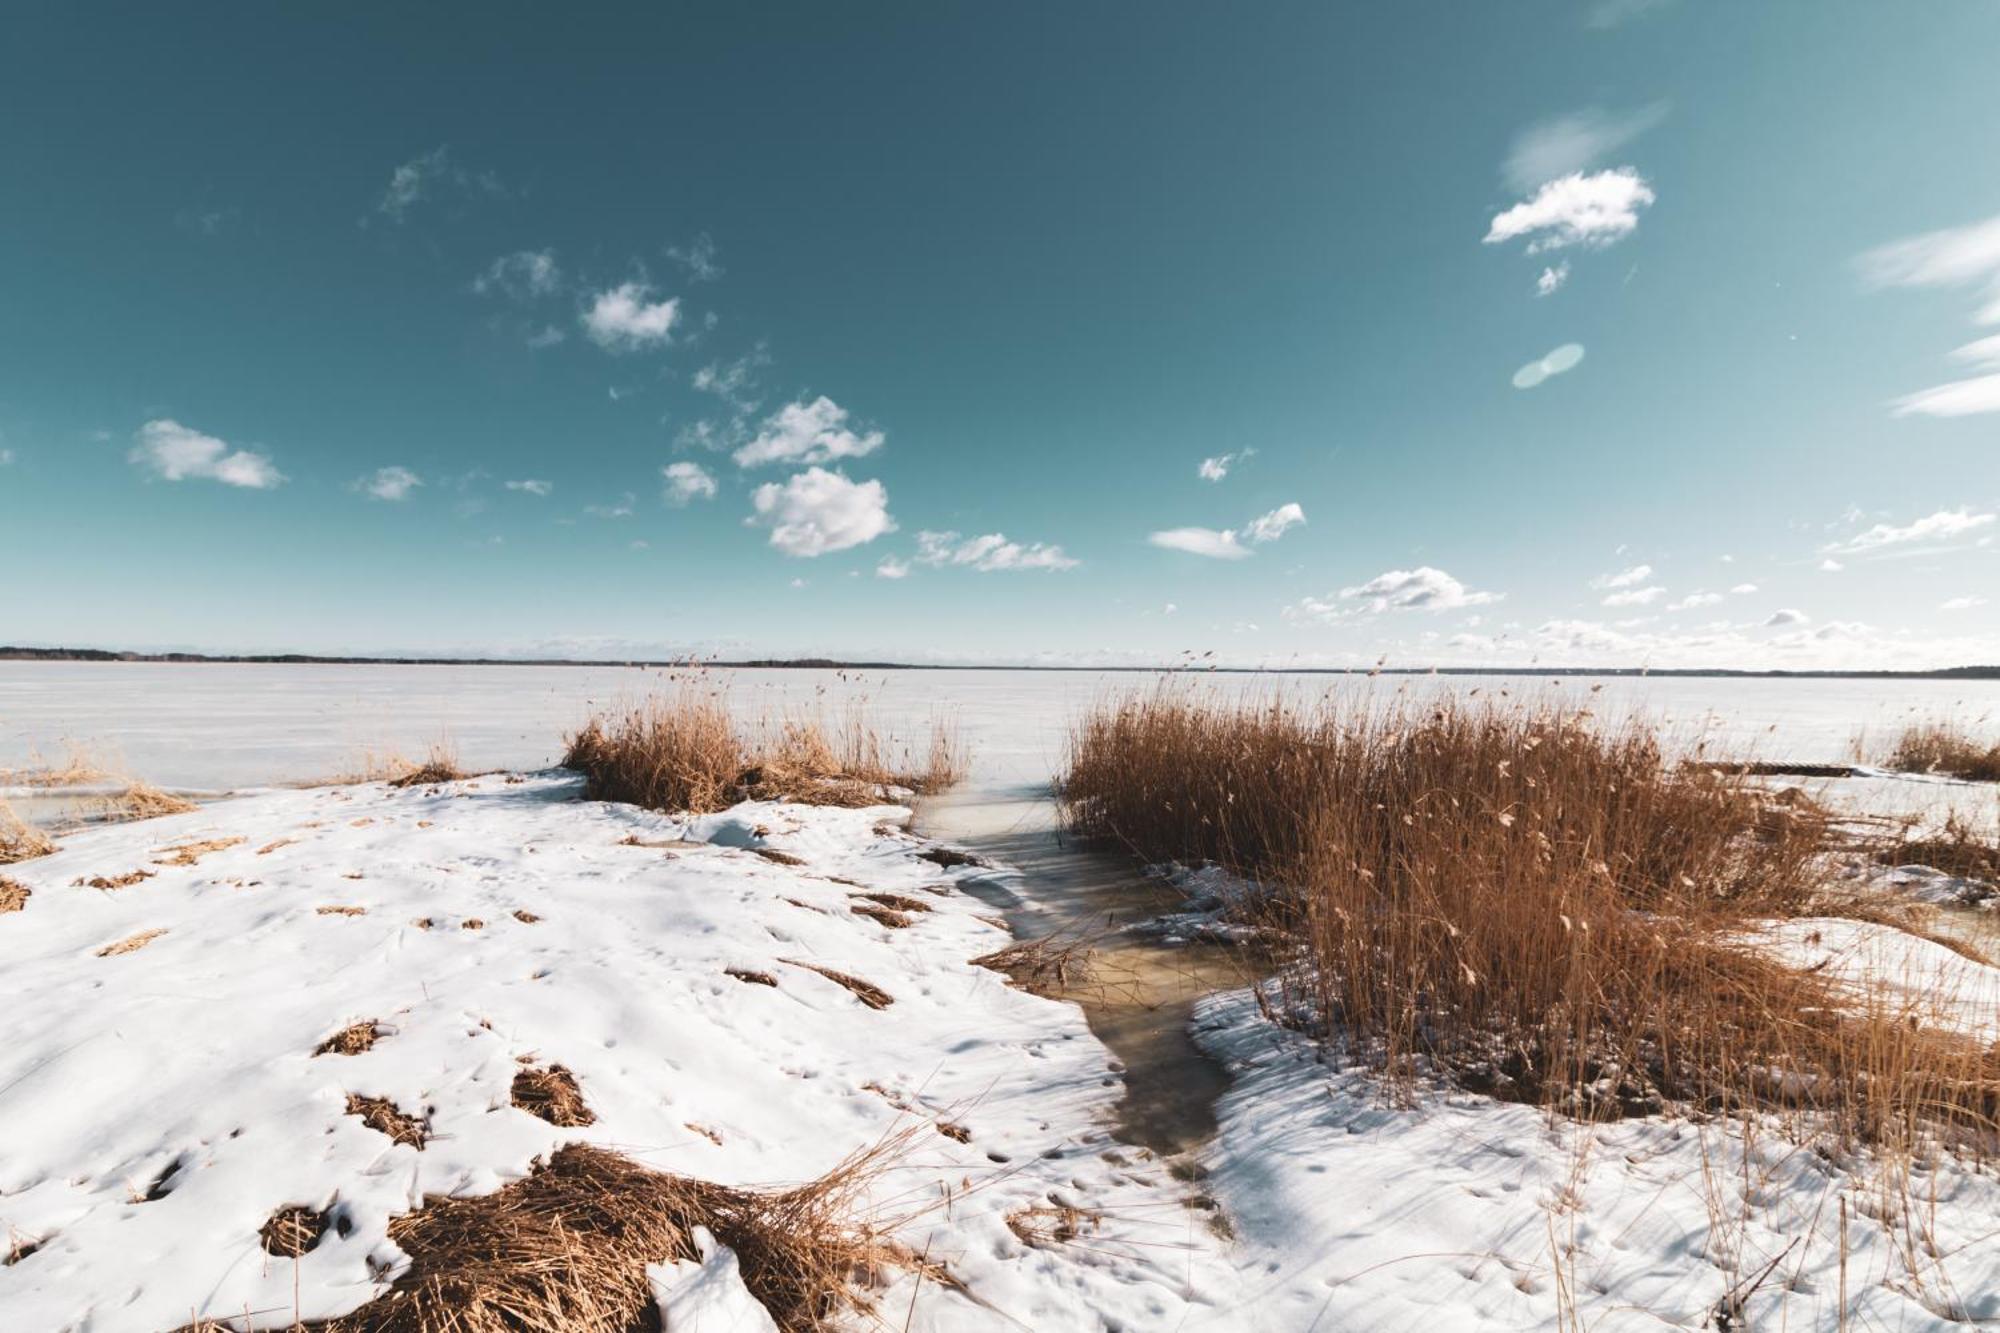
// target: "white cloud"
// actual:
[[698, 258], [892, 568], [1216, 468], [1569, 144], [1559, 362], [1695, 599], [1635, 596], [1269, 527], [1230, 544], [815, 432], [389, 483], [1594, 211], [624, 319], [622, 509], [687, 482], [179, 453], [1966, 256], [1937, 528], [1420, 589], [1744, 589], [531, 486], [1787, 616], [1624, 578], [816, 512], [732, 381], [521, 276], [1552, 279], [6, 458], [1830, 566], [1214, 543], [1961, 603], [989, 553], [421, 176]]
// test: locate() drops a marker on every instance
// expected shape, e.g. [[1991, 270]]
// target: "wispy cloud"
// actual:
[[531, 486], [698, 258], [174, 452], [427, 175], [626, 319], [1567, 145], [622, 508], [1624, 578], [1635, 596], [989, 553], [687, 482], [1216, 468], [389, 483], [892, 568], [815, 432], [1786, 616], [1419, 589], [521, 276], [1967, 256], [816, 512], [1593, 210], [1961, 603], [1231, 543], [1552, 279], [1934, 530], [1559, 362]]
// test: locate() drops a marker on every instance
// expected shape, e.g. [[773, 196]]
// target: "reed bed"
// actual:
[[1949, 748], [1544, 906], [686, 751]]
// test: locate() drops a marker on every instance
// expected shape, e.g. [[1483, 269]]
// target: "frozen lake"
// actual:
[[211, 727]]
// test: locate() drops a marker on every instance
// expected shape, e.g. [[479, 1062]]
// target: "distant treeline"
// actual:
[[10, 654]]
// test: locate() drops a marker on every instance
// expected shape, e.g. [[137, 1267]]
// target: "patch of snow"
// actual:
[[709, 1296]]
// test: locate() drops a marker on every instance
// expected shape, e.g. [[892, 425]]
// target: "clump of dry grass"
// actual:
[[552, 1095], [1542, 905], [1960, 848], [867, 992], [385, 1117], [110, 882], [352, 1039], [439, 766], [685, 752], [290, 1232], [131, 943], [142, 800], [750, 976], [20, 840], [1047, 966], [189, 853], [567, 1248], [13, 895], [1946, 747]]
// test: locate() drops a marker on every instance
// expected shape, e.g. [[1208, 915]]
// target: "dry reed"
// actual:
[[20, 840], [1946, 747], [1542, 905], [686, 752]]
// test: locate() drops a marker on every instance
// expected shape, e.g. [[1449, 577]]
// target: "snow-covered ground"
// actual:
[[161, 1098]]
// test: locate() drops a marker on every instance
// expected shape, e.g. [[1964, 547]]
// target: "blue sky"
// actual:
[[1604, 331]]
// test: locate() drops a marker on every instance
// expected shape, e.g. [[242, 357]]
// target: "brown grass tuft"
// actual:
[[1047, 966], [525, 917], [1054, 1223], [685, 752], [552, 1095], [20, 840], [188, 853], [131, 943], [567, 1248], [750, 976], [352, 1039], [13, 896], [865, 991], [291, 1232], [142, 800], [1544, 906], [897, 901], [440, 766], [889, 917], [345, 910], [108, 882], [1958, 849], [778, 858], [384, 1117], [1945, 747]]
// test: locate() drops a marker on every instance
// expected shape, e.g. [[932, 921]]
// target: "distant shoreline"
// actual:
[[12, 654]]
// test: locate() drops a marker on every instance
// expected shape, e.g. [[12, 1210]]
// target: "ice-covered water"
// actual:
[[216, 727]]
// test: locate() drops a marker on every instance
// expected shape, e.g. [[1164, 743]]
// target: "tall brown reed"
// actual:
[[1947, 747], [1549, 907]]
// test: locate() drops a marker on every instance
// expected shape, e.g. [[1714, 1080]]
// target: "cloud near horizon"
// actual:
[[174, 452], [1421, 589], [1942, 526], [988, 553]]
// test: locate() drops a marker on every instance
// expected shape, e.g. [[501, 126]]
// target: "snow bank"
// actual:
[[160, 1099], [1462, 1213]]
